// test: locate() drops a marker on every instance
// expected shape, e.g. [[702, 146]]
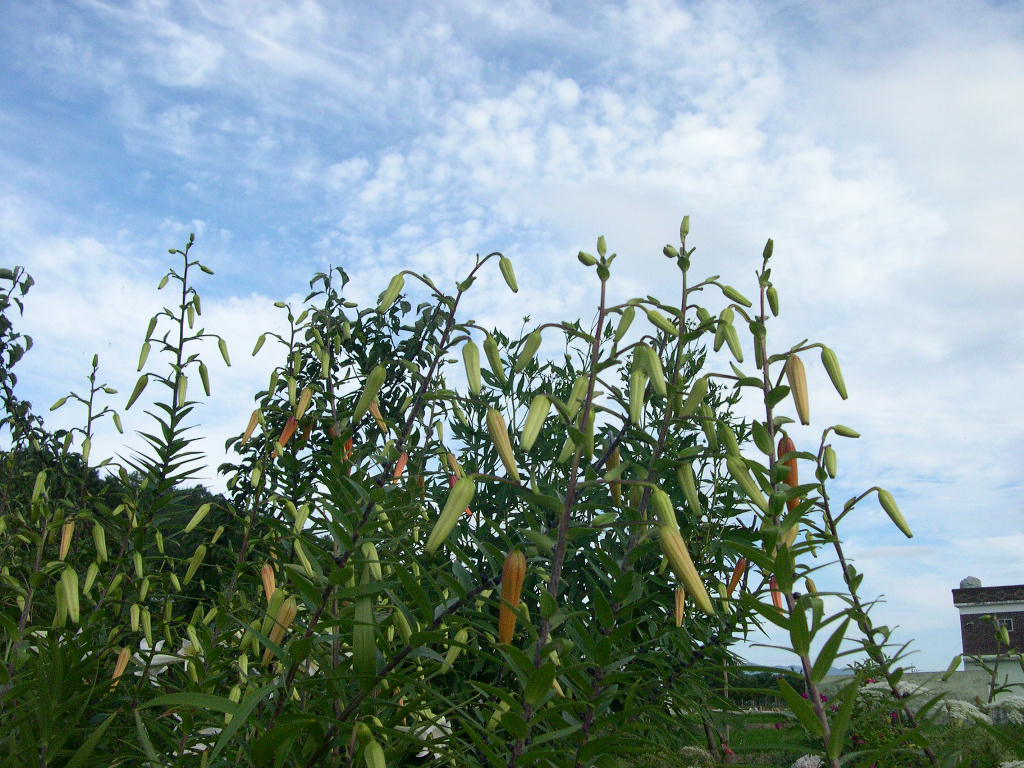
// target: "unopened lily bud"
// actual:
[[624, 322], [502, 443], [538, 413], [67, 533], [893, 511], [194, 563], [512, 577], [121, 665], [494, 359], [679, 560], [391, 293], [797, 379], [835, 373], [304, 400], [637, 389], [269, 580], [530, 347], [471, 358], [458, 500], [505, 265], [374, 381], [198, 517]]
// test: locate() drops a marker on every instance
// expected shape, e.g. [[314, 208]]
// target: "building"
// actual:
[[981, 608]]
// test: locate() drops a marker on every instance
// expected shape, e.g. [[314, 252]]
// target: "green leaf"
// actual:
[[776, 396], [799, 634], [539, 684], [801, 708], [783, 569], [83, 752], [193, 699], [841, 722], [770, 612], [828, 652], [544, 543], [245, 708], [762, 439], [147, 744]]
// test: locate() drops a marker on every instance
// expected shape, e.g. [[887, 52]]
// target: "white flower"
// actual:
[[1007, 711], [808, 761], [196, 748], [958, 711], [45, 633], [1011, 702], [697, 757], [881, 689], [432, 732], [160, 661]]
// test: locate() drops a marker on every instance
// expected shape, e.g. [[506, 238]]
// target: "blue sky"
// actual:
[[878, 143]]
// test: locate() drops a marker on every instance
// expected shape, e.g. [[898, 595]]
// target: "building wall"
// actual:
[[1008, 672], [978, 634]]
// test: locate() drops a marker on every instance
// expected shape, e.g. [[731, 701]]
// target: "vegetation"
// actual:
[[429, 556]]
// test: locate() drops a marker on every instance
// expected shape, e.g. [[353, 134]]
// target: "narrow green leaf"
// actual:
[[799, 634], [841, 722], [539, 684], [828, 652], [193, 699], [147, 744], [777, 395], [83, 752], [238, 719], [801, 708]]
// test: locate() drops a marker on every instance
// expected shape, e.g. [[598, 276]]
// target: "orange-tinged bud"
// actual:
[[122, 664], [680, 606], [289, 429], [67, 532], [454, 464], [269, 581], [615, 460], [375, 410], [452, 480], [348, 455], [253, 421], [776, 594], [284, 618], [512, 577], [786, 445], [400, 465], [737, 574], [304, 400]]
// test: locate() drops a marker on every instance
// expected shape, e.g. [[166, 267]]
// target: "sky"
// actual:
[[878, 143]]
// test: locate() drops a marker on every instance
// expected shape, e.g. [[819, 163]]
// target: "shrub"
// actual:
[[340, 603]]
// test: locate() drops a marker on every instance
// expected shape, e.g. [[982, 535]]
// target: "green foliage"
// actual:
[[300, 619]]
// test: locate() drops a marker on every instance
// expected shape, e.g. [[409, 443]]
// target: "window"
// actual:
[[1008, 623]]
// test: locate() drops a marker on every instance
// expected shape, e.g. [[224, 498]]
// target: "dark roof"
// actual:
[[1008, 594]]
